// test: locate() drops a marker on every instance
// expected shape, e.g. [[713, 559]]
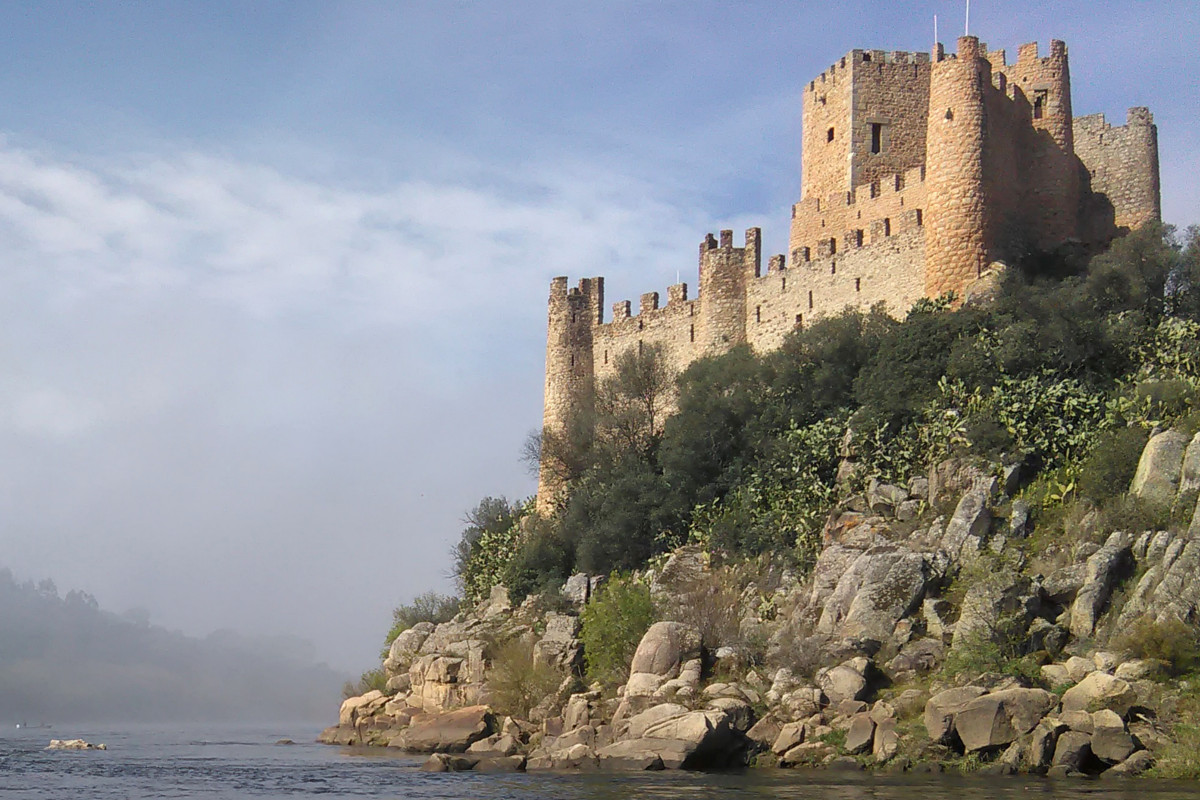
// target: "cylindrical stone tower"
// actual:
[[569, 372], [955, 238]]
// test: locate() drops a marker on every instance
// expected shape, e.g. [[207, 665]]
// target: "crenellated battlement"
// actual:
[[840, 69], [920, 171]]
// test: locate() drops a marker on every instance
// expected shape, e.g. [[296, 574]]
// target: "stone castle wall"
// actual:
[[1122, 166], [919, 172]]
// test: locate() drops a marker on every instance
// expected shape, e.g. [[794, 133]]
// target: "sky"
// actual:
[[273, 275]]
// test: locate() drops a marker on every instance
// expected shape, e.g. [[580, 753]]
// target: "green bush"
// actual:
[[1172, 641], [1108, 470], [486, 546], [614, 622], [371, 680], [517, 682], [1133, 515], [540, 562]]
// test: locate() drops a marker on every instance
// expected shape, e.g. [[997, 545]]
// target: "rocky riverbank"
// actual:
[[938, 629]]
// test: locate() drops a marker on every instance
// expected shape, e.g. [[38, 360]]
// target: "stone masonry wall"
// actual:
[[891, 91], [888, 271], [825, 133], [1122, 165]]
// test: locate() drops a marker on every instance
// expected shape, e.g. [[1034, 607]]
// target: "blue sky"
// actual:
[[274, 274]]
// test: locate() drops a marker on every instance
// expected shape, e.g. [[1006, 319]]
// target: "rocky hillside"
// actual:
[[941, 627]]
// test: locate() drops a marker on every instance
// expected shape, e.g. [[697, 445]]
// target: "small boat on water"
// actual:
[[25, 726]]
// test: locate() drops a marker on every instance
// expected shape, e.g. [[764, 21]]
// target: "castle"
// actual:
[[919, 171]]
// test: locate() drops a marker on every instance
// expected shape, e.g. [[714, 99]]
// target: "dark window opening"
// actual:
[[799, 320], [783, 285], [810, 301], [758, 313], [874, 193], [1039, 103], [833, 268], [572, 317], [858, 238], [641, 324], [572, 361], [920, 218], [639, 347], [858, 284], [949, 113], [887, 227], [807, 254], [832, 246], [691, 333], [866, 57], [876, 137], [605, 356], [829, 135]]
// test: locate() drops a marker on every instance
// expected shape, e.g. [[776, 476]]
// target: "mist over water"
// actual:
[[64, 659]]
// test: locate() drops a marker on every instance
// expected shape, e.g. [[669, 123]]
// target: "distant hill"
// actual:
[[65, 659]]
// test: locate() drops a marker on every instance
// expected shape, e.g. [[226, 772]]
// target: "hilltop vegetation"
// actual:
[[1065, 371]]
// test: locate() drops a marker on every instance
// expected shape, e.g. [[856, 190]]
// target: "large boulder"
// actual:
[[450, 732], [664, 648], [406, 646], [691, 740], [968, 527], [993, 720], [1111, 743], [1002, 596], [638, 723], [1098, 691], [1105, 568], [354, 707], [846, 681], [1072, 750], [1168, 590], [882, 586], [1160, 468], [941, 709], [860, 737], [641, 754], [1189, 477]]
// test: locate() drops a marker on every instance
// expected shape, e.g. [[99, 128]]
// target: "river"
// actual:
[[222, 763]]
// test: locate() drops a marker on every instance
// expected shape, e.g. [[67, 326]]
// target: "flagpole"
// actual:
[[967, 31]]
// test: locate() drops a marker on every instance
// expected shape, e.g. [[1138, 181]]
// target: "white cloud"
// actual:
[[272, 243]]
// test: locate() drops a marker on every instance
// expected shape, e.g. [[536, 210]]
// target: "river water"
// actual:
[[244, 762]]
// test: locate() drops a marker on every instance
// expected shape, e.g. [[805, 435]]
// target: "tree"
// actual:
[[632, 403], [485, 545]]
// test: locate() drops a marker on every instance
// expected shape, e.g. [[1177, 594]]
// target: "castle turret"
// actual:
[[724, 270], [956, 243], [1051, 175], [569, 371]]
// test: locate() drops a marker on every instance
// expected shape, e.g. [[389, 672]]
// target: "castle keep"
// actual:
[[919, 171]]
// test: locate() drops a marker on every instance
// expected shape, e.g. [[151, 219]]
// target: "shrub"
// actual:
[[614, 622], [1108, 469], [371, 680], [486, 545], [710, 603], [517, 682], [1133, 515], [539, 564], [1172, 641], [618, 514]]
